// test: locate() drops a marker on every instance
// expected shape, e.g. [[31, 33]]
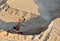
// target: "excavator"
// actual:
[[16, 29]]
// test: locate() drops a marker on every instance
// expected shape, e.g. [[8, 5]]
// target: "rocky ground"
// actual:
[[51, 34], [34, 28]]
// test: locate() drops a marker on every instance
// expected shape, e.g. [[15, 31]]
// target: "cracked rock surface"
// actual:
[[35, 27]]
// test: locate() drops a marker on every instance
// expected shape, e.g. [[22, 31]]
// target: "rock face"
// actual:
[[36, 27], [10, 16], [51, 34], [5, 7], [48, 9], [53, 31]]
